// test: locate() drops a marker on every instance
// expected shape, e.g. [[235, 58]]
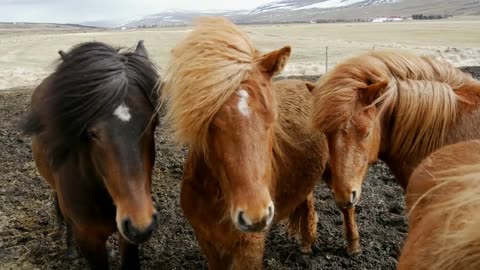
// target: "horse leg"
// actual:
[[58, 212], [351, 231], [294, 223], [71, 252], [93, 248], [304, 221], [128, 254], [309, 224]]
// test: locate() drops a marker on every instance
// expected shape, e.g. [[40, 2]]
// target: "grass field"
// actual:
[[26, 55]]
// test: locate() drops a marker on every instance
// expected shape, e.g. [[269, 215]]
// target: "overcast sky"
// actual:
[[73, 11]]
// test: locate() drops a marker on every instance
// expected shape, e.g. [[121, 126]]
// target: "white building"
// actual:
[[380, 19]]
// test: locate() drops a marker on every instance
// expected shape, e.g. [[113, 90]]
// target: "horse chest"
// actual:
[[88, 202], [296, 181], [204, 208]]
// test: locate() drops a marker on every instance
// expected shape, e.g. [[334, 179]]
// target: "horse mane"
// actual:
[[90, 82], [458, 243], [420, 99], [204, 70]]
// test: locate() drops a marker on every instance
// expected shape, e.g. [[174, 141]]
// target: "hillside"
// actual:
[[310, 10], [304, 10]]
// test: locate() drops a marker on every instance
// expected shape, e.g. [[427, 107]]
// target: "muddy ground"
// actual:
[[29, 238]]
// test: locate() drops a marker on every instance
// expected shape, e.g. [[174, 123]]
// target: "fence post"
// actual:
[[326, 58]]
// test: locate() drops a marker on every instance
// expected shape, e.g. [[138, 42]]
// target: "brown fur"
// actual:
[[443, 197], [396, 106], [237, 159], [205, 207], [104, 179]]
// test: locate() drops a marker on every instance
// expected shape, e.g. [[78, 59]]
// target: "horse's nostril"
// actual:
[[241, 219], [353, 198], [127, 226], [270, 213]]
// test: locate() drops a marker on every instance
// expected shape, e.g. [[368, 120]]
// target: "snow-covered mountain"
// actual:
[[281, 11], [316, 4], [308, 10], [296, 9]]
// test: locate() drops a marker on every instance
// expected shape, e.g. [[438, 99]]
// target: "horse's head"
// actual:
[[240, 143], [122, 150], [354, 144]]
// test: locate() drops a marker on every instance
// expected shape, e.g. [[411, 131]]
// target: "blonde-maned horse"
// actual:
[[394, 106], [443, 199], [252, 160]]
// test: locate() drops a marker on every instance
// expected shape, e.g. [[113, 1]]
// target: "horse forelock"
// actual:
[[204, 70], [89, 84], [420, 98]]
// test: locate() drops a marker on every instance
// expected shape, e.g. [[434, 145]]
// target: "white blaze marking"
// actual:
[[243, 103], [122, 112]]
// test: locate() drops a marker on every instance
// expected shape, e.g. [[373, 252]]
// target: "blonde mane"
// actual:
[[204, 70], [421, 97], [458, 243]]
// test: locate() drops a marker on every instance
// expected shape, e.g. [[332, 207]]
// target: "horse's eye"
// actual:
[[92, 134], [367, 134]]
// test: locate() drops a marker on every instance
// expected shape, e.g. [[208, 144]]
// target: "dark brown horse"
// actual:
[[93, 123]]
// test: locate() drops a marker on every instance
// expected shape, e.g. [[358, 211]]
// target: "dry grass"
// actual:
[[27, 55]]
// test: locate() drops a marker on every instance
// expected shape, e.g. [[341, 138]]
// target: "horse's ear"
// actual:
[[63, 55], [140, 49], [310, 86], [370, 93], [273, 63]]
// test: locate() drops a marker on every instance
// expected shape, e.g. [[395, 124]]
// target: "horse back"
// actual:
[[294, 131], [426, 198], [444, 159]]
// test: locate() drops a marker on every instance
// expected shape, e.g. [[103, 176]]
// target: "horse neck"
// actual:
[[82, 183], [464, 126], [467, 120]]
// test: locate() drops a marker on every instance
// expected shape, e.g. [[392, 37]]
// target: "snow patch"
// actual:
[[331, 4]]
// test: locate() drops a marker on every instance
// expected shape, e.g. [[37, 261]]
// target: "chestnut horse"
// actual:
[[252, 159], [443, 197], [394, 106], [92, 122]]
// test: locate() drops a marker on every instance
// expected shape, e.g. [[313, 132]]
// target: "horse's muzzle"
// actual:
[[246, 224], [352, 200], [138, 236]]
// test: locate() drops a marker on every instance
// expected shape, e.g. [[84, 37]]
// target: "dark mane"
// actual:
[[90, 82]]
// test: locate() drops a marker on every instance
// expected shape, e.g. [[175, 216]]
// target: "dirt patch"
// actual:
[[29, 238]]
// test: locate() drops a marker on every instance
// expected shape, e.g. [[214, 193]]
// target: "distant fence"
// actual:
[[312, 60]]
